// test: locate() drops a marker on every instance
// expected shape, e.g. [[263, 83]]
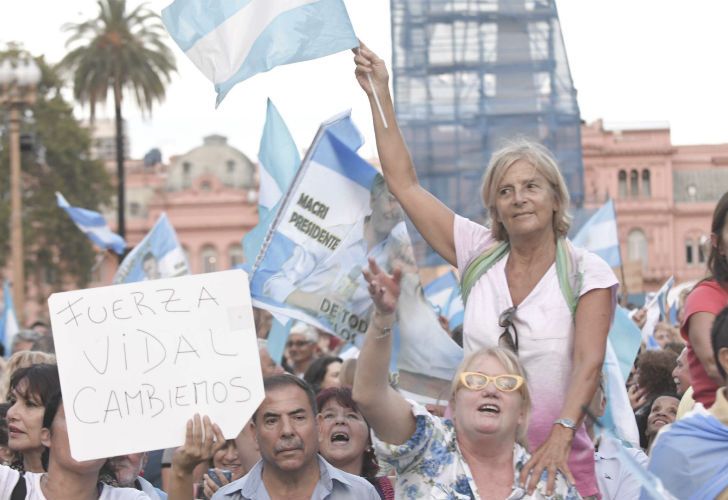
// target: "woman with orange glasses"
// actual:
[[481, 451]]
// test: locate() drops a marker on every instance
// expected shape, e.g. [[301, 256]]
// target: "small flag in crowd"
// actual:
[[93, 225], [9, 325], [599, 235], [232, 40], [444, 294], [158, 255], [279, 160]]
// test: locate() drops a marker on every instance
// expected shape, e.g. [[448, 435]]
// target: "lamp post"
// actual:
[[18, 80]]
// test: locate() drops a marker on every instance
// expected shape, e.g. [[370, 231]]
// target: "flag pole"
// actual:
[[377, 101]]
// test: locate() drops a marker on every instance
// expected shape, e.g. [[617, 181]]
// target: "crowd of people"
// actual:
[[522, 417]]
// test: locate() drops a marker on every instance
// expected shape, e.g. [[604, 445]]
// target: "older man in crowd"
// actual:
[[691, 456], [286, 433], [128, 470]]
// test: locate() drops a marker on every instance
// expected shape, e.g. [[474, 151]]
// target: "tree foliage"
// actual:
[[55, 250]]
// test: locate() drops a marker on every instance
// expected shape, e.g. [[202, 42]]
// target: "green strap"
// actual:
[[567, 271], [481, 265]]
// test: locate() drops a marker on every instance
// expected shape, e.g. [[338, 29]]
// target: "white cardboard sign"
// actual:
[[137, 360]]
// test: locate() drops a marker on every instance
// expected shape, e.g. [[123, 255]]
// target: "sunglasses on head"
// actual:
[[476, 381], [297, 343], [505, 321]]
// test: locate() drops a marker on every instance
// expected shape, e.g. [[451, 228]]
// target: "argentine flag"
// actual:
[[9, 325], [278, 160], [93, 225], [232, 40], [599, 235]]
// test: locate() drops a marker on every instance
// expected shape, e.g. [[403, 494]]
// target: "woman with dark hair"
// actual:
[[344, 438], [66, 477], [30, 390], [703, 304], [324, 373]]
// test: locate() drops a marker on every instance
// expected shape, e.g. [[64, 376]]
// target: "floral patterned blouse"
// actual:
[[431, 466]]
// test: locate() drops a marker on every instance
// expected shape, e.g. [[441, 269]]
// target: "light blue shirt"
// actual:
[[333, 484]]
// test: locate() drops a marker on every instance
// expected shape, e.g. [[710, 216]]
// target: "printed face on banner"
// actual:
[[137, 360], [329, 232], [158, 255]]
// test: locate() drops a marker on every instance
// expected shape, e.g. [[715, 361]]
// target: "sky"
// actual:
[[631, 61]]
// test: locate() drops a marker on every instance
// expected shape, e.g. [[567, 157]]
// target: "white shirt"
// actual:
[[616, 481], [9, 478]]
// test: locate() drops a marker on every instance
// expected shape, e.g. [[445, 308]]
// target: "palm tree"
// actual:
[[121, 51]]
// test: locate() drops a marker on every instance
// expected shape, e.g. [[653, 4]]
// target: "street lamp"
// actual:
[[19, 77]]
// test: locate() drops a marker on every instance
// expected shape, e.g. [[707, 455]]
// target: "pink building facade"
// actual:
[[664, 197], [210, 197]]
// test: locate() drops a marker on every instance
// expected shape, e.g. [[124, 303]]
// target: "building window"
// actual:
[[186, 168], [622, 184], [637, 247], [235, 254], [689, 258], [209, 259], [230, 166], [646, 186], [634, 180], [703, 248], [134, 208]]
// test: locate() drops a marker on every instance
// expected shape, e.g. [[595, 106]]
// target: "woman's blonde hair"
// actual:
[[21, 359], [544, 163], [513, 367]]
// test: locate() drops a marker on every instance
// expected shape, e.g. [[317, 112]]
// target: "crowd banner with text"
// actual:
[[232, 40], [336, 215], [158, 255], [137, 360]]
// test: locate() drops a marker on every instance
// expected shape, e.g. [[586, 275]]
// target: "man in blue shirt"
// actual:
[[290, 467]]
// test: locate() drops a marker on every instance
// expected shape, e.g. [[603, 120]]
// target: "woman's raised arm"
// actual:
[[387, 412], [432, 218]]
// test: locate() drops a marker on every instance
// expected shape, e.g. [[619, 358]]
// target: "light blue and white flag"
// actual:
[[93, 225], [9, 326], [444, 295], [599, 235], [278, 160], [618, 416], [277, 338], [336, 215], [231, 40], [158, 255]]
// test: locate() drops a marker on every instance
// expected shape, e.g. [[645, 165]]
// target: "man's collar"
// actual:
[[250, 484], [329, 473]]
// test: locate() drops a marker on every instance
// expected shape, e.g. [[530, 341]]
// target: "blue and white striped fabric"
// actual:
[[599, 235], [93, 225], [444, 295], [9, 325], [278, 161], [232, 40]]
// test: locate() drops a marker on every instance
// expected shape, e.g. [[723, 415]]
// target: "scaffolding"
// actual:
[[471, 74]]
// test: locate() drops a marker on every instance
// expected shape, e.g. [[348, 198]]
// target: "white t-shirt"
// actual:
[[9, 478]]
